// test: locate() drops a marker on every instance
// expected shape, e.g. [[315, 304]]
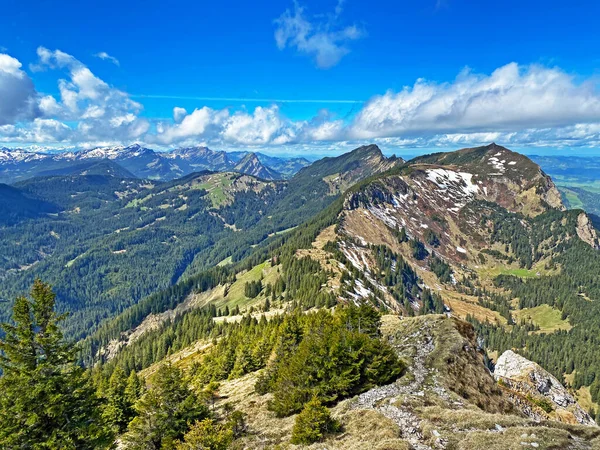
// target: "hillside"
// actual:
[[480, 235], [16, 206], [95, 250]]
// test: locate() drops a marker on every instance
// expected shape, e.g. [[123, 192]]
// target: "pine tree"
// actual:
[[45, 399], [134, 388], [164, 412]]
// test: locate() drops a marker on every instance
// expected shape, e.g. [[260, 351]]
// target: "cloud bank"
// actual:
[[517, 105]]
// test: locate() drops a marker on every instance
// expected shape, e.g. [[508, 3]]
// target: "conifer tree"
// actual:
[[313, 422], [46, 402], [164, 412], [118, 410]]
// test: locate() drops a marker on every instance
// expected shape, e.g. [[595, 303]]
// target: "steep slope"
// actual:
[[251, 165], [537, 392], [343, 171], [17, 205]]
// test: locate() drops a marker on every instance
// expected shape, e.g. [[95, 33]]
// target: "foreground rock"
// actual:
[[537, 393]]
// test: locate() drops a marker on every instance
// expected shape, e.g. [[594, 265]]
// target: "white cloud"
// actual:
[[106, 57], [179, 114], [512, 98], [18, 97], [102, 111], [263, 126], [520, 106], [320, 39]]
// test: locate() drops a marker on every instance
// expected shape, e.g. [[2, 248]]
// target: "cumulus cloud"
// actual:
[[102, 111], [17, 92], [512, 98], [179, 114], [264, 126], [521, 106], [106, 57], [320, 39]]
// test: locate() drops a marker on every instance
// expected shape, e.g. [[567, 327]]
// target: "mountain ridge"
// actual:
[[18, 164]]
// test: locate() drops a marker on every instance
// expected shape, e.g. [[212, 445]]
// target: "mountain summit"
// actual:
[[251, 165]]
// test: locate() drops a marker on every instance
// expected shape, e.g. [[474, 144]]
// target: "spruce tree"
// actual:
[[164, 412], [46, 402], [313, 423], [118, 410]]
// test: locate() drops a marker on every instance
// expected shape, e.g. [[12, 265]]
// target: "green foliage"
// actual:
[[325, 355], [46, 402], [207, 435], [313, 423], [164, 411], [542, 402], [441, 269], [253, 288], [122, 393], [418, 249]]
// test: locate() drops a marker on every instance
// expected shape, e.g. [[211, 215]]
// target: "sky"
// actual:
[[305, 77]]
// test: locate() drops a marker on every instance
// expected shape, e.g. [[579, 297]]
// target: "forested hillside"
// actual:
[[362, 301], [112, 239]]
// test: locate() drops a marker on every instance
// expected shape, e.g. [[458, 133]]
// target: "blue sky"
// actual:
[[304, 77]]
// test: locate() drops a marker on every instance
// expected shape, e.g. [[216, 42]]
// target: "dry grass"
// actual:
[[584, 398], [323, 257]]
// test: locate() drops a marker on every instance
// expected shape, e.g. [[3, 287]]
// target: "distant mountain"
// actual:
[[287, 167], [103, 167], [343, 171], [251, 165], [145, 163], [195, 159]]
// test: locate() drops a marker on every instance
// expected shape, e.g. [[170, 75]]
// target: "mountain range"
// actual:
[[17, 165], [468, 266]]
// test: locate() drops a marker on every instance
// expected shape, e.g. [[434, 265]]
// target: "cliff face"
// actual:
[[586, 231], [537, 393]]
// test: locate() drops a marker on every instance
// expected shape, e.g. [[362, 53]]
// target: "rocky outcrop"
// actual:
[[586, 231], [536, 392], [552, 196]]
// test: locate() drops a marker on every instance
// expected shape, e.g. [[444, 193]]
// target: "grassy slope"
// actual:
[[547, 318], [453, 418]]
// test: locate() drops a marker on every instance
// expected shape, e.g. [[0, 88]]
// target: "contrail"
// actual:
[[239, 99]]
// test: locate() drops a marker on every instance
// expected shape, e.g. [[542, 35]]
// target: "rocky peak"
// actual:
[[251, 165], [536, 392]]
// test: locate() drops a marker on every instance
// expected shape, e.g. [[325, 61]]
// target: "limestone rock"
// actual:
[[586, 231], [536, 392]]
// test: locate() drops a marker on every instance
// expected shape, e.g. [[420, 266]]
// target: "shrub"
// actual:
[[313, 423], [207, 435]]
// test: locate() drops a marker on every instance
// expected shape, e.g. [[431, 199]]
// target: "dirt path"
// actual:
[[382, 399]]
